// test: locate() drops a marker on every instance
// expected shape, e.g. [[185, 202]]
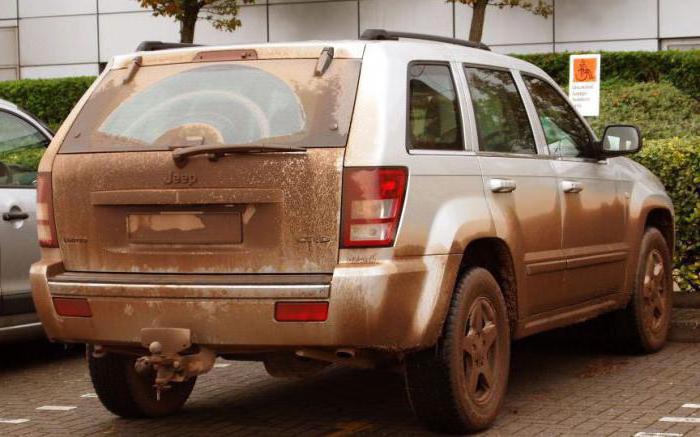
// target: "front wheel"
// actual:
[[459, 385], [643, 326], [129, 394]]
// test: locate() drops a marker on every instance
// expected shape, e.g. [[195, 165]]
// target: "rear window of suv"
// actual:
[[278, 102]]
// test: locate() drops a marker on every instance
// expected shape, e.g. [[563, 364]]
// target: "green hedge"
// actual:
[[659, 109], [48, 99], [681, 68], [676, 161]]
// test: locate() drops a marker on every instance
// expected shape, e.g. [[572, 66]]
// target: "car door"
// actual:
[[593, 205], [21, 147], [520, 187]]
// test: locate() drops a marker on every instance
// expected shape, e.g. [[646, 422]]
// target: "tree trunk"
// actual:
[[477, 27], [189, 20]]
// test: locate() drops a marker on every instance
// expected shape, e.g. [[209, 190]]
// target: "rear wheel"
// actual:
[[643, 325], [129, 394], [459, 386]]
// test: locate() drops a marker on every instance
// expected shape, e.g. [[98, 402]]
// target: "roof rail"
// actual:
[[381, 34], [152, 46]]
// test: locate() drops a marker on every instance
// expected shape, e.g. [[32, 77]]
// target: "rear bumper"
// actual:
[[394, 305]]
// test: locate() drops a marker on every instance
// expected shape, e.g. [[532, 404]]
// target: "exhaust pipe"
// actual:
[[345, 357]]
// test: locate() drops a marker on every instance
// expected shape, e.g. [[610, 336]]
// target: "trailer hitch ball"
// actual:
[[166, 358]]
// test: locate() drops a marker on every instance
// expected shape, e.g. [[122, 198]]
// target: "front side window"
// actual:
[[564, 131], [21, 147], [502, 122], [277, 102], [434, 121]]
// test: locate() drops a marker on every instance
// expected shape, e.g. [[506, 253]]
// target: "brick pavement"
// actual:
[[560, 385]]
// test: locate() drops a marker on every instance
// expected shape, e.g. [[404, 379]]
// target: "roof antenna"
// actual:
[[324, 61]]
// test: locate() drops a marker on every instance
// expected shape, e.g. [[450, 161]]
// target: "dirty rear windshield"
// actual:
[[278, 102]]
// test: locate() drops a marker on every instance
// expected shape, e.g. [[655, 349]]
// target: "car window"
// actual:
[[21, 147], [564, 131], [434, 121], [501, 119], [277, 101]]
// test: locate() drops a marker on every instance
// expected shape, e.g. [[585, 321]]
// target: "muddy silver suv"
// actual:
[[365, 203]]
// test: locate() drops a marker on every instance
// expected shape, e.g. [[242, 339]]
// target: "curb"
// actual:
[[685, 325], [685, 318]]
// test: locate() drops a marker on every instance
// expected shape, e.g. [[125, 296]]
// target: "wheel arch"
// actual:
[[494, 255], [662, 219]]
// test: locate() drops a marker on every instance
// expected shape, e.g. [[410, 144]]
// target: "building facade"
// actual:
[[54, 38]]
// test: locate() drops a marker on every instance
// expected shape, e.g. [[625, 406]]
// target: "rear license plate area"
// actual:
[[185, 227]]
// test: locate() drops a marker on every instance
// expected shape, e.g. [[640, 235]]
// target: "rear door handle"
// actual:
[[571, 186], [502, 185], [14, 215]]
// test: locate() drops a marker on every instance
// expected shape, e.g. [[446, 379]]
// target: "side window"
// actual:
[[434, 121], [501, 119], [21, 147], [564, 131]]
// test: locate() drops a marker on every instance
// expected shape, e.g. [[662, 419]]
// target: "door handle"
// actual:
[[502, 185], [571, 186], [14, 215]]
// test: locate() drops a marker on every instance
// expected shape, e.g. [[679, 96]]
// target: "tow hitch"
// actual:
[[166, 359]]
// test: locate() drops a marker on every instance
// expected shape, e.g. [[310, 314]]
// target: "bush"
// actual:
[[659, 109], [681, 68], [676, 161], [50, 100]]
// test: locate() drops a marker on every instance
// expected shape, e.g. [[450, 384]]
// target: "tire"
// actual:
[[642, 327], [128, 394], [448, 387]]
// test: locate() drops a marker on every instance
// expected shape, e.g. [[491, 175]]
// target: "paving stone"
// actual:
[[558, 386]]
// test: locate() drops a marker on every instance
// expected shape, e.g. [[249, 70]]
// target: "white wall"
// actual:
[[121, 33], [58, 40], [67, 37], [592, 20], [679, 18], [419, 16], [43, 8], [324, 20], [508, 26]]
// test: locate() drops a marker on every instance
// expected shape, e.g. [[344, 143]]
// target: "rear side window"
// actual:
[[21, 147], [564, 131], [501, 119], [276, 102], [434, 121]]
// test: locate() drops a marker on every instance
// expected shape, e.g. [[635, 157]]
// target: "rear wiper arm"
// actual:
[[215, 151]]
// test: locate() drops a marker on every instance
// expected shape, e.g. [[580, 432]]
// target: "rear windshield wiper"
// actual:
[[215, 151]]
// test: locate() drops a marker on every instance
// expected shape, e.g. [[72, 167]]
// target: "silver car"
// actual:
[[361, 203], [23, 140]]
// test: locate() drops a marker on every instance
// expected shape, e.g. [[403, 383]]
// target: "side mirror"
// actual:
[[619, 139]]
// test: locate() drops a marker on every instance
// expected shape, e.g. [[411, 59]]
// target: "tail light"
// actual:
[[372, 202], [46, 227]]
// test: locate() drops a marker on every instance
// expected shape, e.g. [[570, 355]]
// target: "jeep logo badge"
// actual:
[[176, 178]]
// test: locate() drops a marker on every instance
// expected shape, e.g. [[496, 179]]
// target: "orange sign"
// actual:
[[585, 69]]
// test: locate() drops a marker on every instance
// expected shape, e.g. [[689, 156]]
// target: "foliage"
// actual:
[[223, 14], [50, 100], [538, 7], [676, 161], [659, 109], [681, 68]]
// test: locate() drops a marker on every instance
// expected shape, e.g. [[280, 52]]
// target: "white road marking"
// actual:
[[88, 395], [658, 434], [221, 365], [56, 408], [680, 419], [14, 421], [691, 405]]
